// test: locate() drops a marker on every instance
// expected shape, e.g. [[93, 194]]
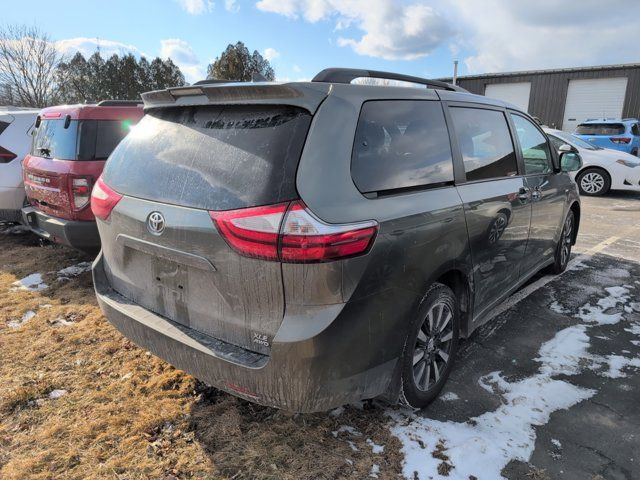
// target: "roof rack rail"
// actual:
[[347, 75], [118, 103]]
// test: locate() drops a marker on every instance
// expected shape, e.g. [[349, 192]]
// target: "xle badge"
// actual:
[[260, 339]]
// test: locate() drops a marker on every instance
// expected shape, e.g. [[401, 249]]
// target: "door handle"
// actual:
[[523, 194]]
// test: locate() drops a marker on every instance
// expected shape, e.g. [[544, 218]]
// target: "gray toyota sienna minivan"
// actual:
[[305, 245]]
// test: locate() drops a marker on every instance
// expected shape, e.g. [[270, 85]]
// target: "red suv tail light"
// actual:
[[291, 233], [80, 191], [6, 156], [620, 140], [103, 199]]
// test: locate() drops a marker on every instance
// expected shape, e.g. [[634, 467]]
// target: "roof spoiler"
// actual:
[[347, 75]]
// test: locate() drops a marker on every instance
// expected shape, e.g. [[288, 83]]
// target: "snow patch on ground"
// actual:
[[375, 448], [556, 443], [482, 446], [55, 394], [375, 470], [28, 315], [73, 271], [348, 429], [31, 283], [556, 307], [449, 397], [617, 363]]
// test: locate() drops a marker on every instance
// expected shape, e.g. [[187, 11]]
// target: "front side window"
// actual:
[[533, 145], [485, 143], [401, 144]]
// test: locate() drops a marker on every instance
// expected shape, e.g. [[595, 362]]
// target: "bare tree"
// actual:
[[28, 63]]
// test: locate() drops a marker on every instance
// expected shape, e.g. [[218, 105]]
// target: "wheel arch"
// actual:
[[459, 282], [575, 208]]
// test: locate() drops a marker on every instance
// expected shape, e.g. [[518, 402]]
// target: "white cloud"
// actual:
[[506, 35], [89, 46], [196, 7], [491, 36], [271, 53], [296, 69], [231, 6], [392, 30], [184, 57]]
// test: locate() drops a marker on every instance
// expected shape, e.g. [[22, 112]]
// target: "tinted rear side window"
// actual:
[[485, 143], [401, 144], [98, 138], [3, 126], [600, 129], [212, 157]]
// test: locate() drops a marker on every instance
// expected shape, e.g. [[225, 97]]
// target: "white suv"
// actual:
[[16, 125]]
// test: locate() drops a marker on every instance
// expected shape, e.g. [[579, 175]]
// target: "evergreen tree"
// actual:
[[236, 63]]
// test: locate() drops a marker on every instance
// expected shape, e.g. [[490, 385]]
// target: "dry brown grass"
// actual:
[[128, 414]]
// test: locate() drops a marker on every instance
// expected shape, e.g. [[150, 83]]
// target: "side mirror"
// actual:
[[570, 161]]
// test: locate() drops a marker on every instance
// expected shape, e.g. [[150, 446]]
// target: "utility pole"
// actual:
[[455, 72]]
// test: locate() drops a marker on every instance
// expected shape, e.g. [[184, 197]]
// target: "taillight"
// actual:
[[620, 140], [6, 156], [291, 233], [80, 192], [103, 199]]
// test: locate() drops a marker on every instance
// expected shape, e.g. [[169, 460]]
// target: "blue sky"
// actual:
[[301, 37]]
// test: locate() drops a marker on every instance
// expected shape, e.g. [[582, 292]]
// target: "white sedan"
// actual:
[[603, 169]]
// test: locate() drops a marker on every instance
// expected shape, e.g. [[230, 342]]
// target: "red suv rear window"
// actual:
[[81, 140]]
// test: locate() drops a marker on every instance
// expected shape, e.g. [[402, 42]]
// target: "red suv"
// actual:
[[70, 146]]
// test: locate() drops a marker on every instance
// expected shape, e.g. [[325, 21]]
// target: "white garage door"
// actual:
[[593, 98], [515, 93]]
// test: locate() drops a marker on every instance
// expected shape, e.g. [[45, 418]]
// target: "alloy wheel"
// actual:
[[592, 183], [432, 350]]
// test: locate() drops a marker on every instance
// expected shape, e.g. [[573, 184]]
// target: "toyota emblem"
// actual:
[[155, 223]]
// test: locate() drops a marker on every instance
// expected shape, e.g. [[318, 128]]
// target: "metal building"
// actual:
[[562, 98]]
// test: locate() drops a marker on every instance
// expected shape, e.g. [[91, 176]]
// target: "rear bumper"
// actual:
[[11, 201], [76, 234], [309, 375]]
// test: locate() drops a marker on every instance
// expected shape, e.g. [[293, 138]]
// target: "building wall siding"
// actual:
[[549, 89]]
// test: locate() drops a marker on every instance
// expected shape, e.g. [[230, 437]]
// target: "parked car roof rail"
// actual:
[[118, 103], [347, 75]]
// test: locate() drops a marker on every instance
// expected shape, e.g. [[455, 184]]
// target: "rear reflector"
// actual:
[[103, 199], [292, 233], [6, 156], [620, 140]]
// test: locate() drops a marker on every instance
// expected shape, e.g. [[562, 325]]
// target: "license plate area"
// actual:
[[170, 284]]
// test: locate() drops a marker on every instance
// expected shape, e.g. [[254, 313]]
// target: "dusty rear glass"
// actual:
[[81, 140], [600, 129], [212, 157]]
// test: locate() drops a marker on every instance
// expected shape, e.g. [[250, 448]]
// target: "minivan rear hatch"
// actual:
[[179, 164]]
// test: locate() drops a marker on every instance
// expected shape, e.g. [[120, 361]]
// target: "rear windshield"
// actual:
[[600, 129], [212, 157], [81, 140]]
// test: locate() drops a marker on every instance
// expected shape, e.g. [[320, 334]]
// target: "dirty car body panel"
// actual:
[[299, 335]]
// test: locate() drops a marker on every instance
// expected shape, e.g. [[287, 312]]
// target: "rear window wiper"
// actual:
[[45, 152]]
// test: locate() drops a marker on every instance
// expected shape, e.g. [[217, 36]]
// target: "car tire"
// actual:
[[593, 182], [430, 348], [563, 249]]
